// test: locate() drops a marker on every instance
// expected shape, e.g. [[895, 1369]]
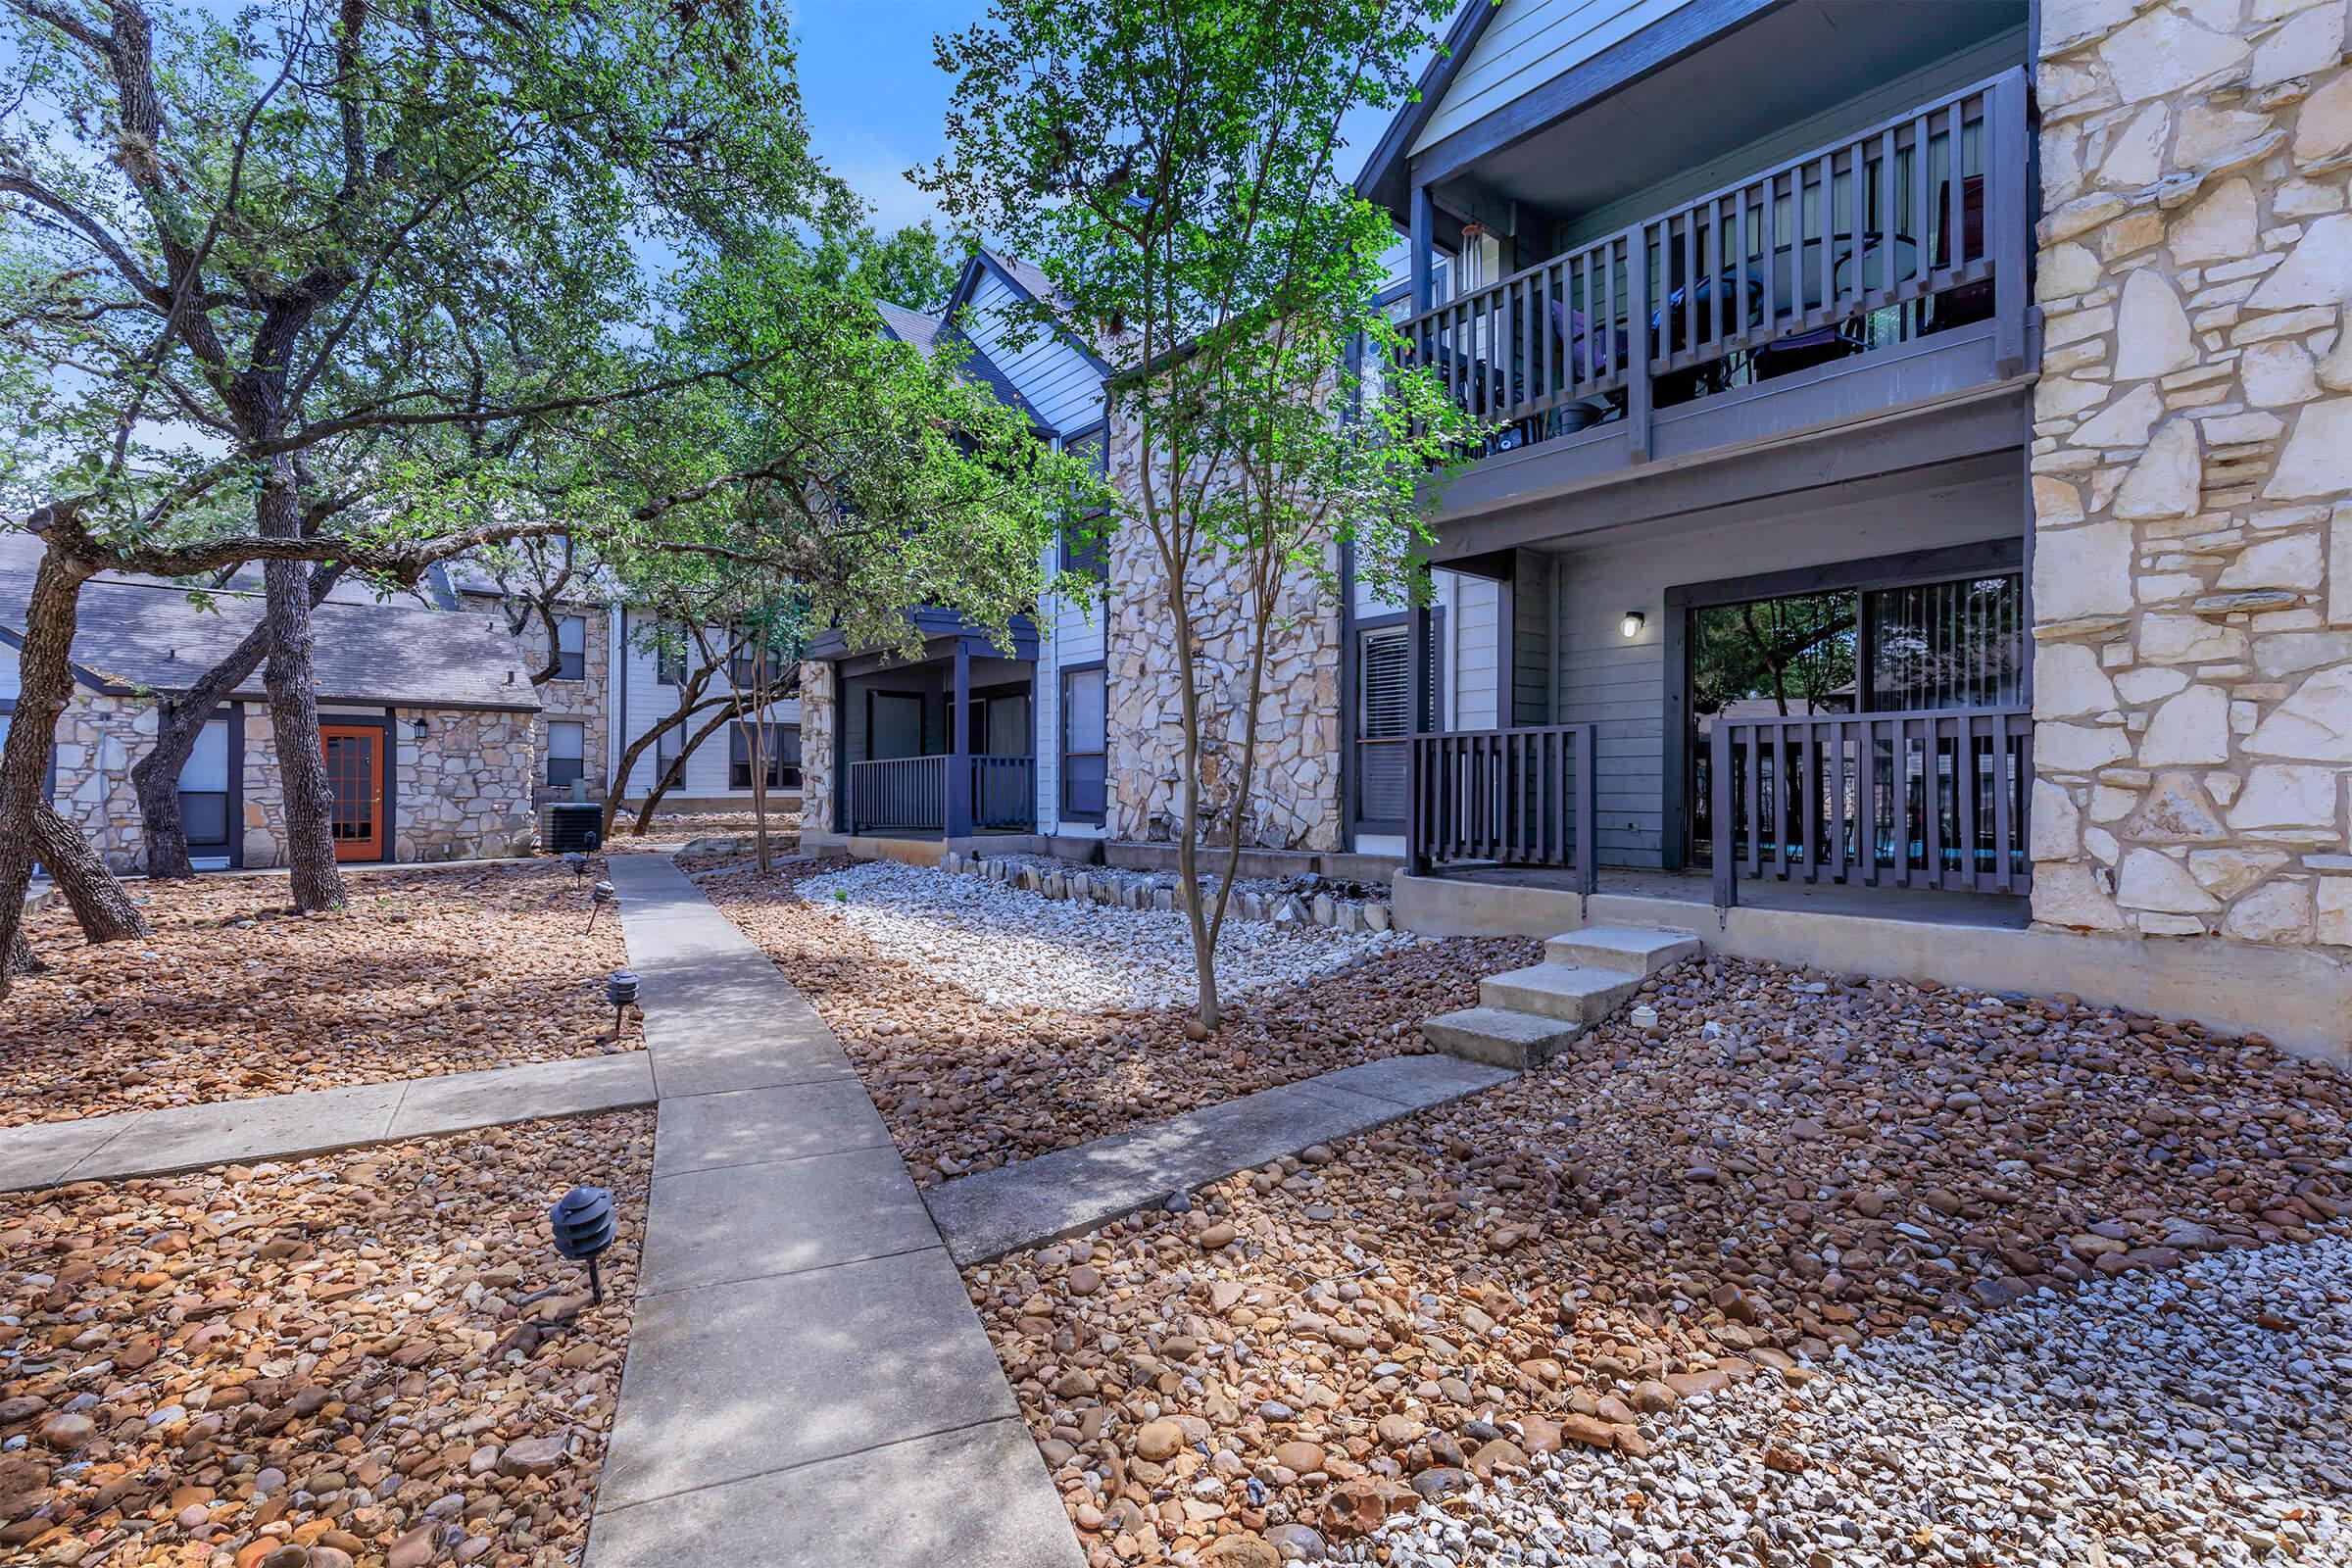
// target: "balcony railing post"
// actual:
[[956, 809], [1721, 796], [1588, 837], [1638, 343], [2006, 165]]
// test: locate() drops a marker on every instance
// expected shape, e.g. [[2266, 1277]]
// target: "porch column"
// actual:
[[958, 823], [1419, 623], [1424, 227]]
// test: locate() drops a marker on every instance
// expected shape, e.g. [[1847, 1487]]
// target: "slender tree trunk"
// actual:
[[675, 773], [294, 705], [1187, 835], [179, 725], [98, 901], [668, 778], [21, 960], [45, 681]]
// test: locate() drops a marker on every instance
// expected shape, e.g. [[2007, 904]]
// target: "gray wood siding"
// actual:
[[1531, 587], [1527, 45], [1619, 683], [1054, 376]]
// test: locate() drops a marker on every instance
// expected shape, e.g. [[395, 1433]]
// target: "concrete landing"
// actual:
[[806, 1384], [159, 1143], [1075, 1190]]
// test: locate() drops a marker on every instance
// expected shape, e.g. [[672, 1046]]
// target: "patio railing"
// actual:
[[909, 793], [1003, 793], [1509, 796], [1913, 800], [1912, 227]]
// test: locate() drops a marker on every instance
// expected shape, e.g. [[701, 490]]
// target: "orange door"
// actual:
[[354, 778]]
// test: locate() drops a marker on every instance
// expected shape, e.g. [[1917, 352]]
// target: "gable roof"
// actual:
[[132, 636], [928, 333], [1383, 181], [1022, 278]]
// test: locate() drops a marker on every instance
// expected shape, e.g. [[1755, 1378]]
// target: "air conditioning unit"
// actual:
[[574, 825]]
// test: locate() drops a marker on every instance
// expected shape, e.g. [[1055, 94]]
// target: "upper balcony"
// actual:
[[1803, 225]]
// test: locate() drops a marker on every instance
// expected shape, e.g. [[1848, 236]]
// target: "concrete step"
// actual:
[[1515, 1039], [1624, 949], [1569, 992]]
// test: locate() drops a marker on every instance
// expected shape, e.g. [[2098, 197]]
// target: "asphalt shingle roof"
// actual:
[[133, 635]]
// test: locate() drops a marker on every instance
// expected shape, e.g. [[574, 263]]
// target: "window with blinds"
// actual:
[[1083, 731], [1086, 537], [1383, 723]]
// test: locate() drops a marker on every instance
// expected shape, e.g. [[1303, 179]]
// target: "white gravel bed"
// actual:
[[1014, 948], [2184, 1419]]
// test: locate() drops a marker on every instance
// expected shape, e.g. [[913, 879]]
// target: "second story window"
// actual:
[[669, 656], [1086, 537], [571, 648]]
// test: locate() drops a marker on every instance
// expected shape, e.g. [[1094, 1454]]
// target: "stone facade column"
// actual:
[[1294, 799], [816, 747], [2192, 472]]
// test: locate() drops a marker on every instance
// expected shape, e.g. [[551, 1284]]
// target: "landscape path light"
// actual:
[[583, 1222], [620, 990], [599, 895]]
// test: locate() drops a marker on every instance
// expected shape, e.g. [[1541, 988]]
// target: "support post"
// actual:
[[2009, 168], [1719, 788], [1639, 343], [1424, 226], [958, 823], [1419, 625]]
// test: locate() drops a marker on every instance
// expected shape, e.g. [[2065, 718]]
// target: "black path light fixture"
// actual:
[[598, 897], [583, 1222], [576, 864], [620, 990]]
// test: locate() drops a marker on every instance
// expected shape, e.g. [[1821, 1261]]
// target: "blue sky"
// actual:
[[877, 103]]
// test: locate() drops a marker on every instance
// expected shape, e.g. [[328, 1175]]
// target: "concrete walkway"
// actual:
[[1075, 1190], [157, 1142], [807, 1380]]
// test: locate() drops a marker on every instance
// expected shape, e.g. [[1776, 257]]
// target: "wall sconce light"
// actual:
[[418, 727], [1632, 624]]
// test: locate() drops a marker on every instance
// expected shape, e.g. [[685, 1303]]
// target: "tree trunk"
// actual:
[[21, 960], [294, 705], [44, 683], [179, 725], [636, 749], [99, 904], [675, 773]]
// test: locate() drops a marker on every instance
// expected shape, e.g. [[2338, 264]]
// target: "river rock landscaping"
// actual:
[[367, 1357], [233, 997], [991, 1024], [1775, 1235]]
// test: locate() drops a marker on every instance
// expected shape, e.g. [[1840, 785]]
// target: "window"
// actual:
[[1083, 729], [666, 748], [204, 789], [1384, 722], [781, 750], [749, 666], [567, 753], [571, 648], [669, 655], [1085, 537]]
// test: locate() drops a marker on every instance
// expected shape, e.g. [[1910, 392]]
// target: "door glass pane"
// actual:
[[1948, 644], [350, 779], [898, 726], [207, 767]]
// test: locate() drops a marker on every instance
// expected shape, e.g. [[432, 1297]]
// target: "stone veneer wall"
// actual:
[[464, 793], [2193, 464], [816, 747], [1295, 801], [589, 700]]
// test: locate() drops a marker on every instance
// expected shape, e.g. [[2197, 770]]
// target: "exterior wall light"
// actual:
[[420, 728], [1632, 624], [583, 1222]]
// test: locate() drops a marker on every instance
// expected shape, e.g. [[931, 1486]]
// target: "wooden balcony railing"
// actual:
[[1510, 797], [1003, 793], [899, 793], [1912, 227], [909, 793], [1918, 800]]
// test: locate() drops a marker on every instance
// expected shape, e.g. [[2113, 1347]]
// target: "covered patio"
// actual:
[[939, 747]]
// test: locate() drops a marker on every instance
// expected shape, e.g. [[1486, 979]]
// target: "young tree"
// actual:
[[1172, 169], [270, 258]]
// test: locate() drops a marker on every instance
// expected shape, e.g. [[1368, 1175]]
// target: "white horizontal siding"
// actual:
[[1528, 43], [1056, 378], [647, 701]]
